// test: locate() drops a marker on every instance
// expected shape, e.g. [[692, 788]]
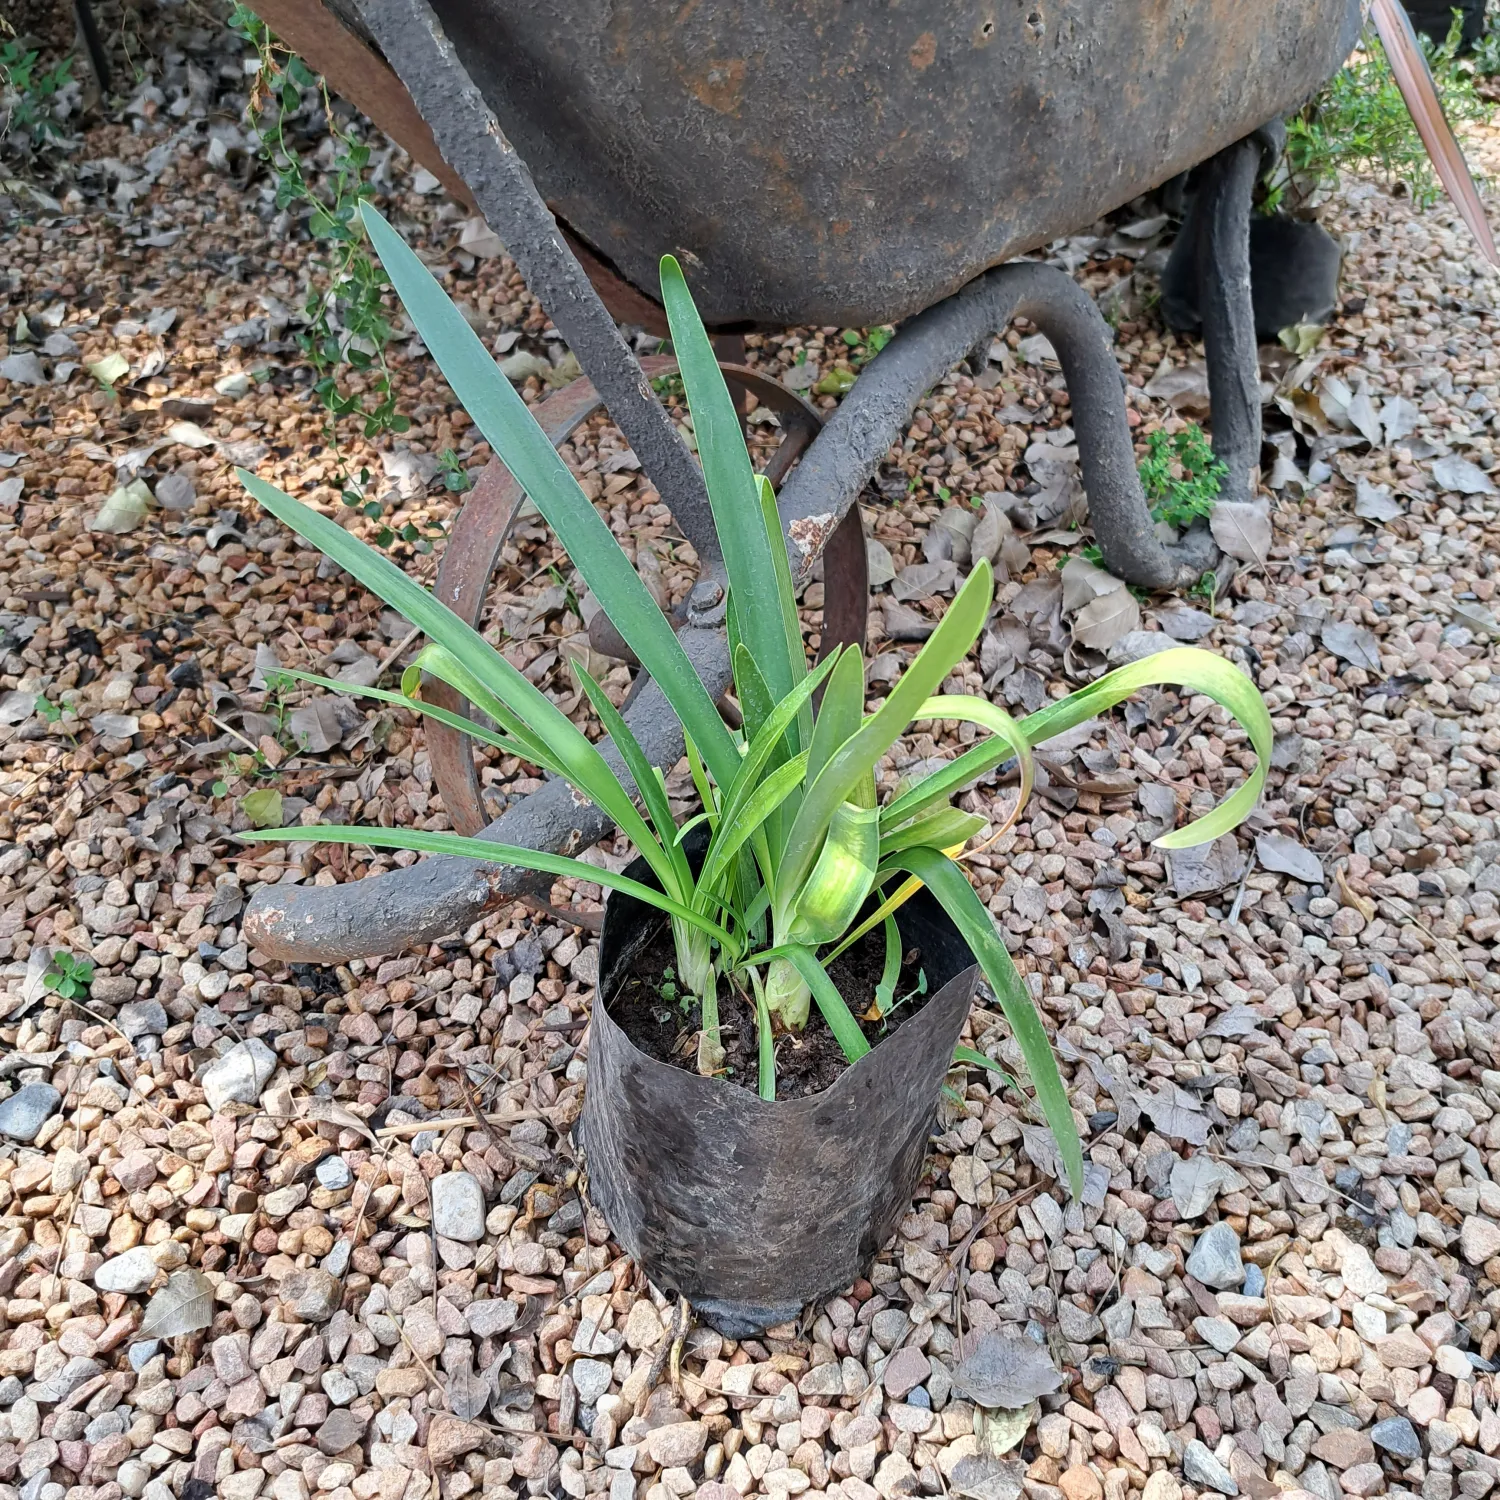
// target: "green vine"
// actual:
[[348, 326]]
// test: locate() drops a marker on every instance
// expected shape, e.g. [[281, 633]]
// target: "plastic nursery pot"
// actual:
[[747, 1207]]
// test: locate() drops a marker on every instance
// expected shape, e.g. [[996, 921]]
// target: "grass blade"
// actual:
[[427, 710], [510, 429], [1199, 672], [890, 972], [426, 842], [856, 757], [653, 794], [958, 898], [825, 995], [733, 492]]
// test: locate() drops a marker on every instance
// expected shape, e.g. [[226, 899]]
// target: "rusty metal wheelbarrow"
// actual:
[[809, 161]]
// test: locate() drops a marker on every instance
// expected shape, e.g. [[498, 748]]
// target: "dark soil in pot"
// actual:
[[645, 1008], [752, 1208]]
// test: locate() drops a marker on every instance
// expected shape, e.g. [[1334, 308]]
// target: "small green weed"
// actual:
[[455, 477], [27, 94], [68, 976], [348, 327], [1181, 476], [1359, 120]]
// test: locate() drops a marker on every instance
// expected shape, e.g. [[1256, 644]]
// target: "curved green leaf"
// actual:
[[957, 897], [856, 757], [826, 997], [425, 842], [1199, 672]]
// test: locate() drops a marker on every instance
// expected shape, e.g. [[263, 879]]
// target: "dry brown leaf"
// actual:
[[1242, 529], [1109, 618]]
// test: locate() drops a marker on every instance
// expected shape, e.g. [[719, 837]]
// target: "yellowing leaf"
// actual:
[[262, 807], [110, 370]]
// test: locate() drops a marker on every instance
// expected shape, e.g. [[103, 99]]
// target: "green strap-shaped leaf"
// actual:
[[732, 491], [942, 828], [856, 757], [425, 842], [1199, 672], [748, 814], [790, 621], [510, 429], [826, 997], [579, 759], [941, 785], [957, 897], [840, 713], [769, 737], [427, 710], [653, 794], [890, 972]]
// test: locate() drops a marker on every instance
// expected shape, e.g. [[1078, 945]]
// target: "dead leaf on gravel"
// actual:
[[1004, 1370], [1362, 413], [1107, 620], [1286, 856], [1237, 1021], [110, 370], [1373, 502], [1177, 1115], [1352, 643], [1243, 530], [1005, 1429], [1184, 388], [1454, 473], [184, 1305], [469, 1390], [1083, 582], [1196, 1183], [124, 510], [982, 1477], [1398, 417], [332, 1113], [1205, 868]]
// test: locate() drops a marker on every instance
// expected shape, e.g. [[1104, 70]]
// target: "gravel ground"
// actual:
[[252, 1240]]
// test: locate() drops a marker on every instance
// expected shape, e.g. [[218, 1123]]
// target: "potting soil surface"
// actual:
[[805, 1064]]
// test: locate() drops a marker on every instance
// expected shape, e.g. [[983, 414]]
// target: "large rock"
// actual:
[[1479, 1240], [131, 1273], [1215, 1260], [239, 1076], [27, 1110], [457, 1206]]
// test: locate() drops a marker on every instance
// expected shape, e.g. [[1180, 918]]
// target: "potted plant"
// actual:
[[803, 938]]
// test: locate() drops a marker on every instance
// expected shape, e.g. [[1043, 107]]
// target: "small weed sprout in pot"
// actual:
[[799, 860]]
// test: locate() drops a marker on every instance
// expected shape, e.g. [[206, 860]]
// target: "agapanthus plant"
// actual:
[[802, 859]]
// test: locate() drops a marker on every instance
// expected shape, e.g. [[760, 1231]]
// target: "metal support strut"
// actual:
[[1213, 249]]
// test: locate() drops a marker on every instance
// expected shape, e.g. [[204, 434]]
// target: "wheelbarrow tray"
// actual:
[[851, 162]]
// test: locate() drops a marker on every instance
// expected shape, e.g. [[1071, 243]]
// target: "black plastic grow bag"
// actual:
[[751, 1208]]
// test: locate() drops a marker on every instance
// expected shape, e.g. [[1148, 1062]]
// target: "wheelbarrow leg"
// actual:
[[828, 481], [1220, 225]]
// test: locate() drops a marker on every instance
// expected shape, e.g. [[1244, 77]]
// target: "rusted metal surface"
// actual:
[[474, 544], [851, 161]]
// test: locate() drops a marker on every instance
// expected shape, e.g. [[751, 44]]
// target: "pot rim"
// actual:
[[852, 1077]]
